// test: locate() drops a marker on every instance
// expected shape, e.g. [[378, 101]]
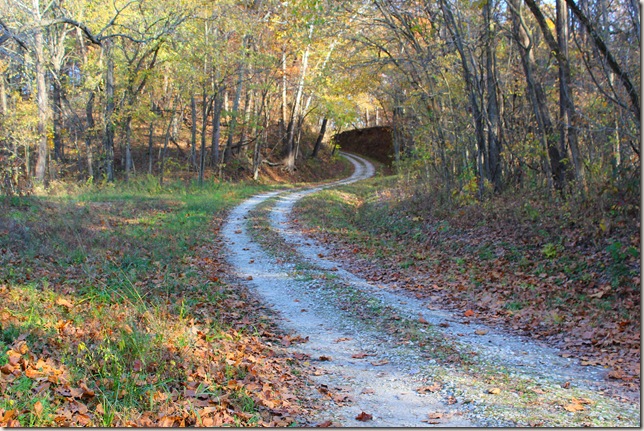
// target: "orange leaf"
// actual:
[[469, 313], [83, 419], [574, 407], [364, 417], [38, 408], [432, 388], [64, 303]]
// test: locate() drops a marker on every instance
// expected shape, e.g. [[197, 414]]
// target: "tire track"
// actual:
[[386, 390]]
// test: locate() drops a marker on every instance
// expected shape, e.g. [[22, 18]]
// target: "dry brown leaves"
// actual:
[[515, 290], [238, 365]]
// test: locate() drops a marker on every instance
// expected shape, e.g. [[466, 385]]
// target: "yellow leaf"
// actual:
[[64, 303], [494, 391], [38, 408], [574, 407]]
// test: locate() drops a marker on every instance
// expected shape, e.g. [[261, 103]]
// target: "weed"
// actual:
[[550, 251]]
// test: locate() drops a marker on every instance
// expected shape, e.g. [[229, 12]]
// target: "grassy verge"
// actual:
[[117, 311], [537, 269]]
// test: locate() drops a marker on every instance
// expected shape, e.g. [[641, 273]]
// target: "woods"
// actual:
[[144, 144], [494, 93]]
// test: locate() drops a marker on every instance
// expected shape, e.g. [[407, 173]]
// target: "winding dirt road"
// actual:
[[361, 368]]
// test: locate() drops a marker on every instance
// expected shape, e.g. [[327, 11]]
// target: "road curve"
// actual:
[[388, 391], [363, 370]]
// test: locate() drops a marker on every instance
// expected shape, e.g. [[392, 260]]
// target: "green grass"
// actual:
[[106, 284]]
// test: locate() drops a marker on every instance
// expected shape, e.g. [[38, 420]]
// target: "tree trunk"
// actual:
[[59, 153], [567, 112], [166, 140], [234, 114], [108, 135], [216, 127], [193, 132], [494, 123], [89, 133], [3, 96], [295, 114], [150, 145], [248, 101], [555, 168], [41, 96], [318, 142], [129, 163], [284, 107], [470, 84], [202, 154], [261, 136]]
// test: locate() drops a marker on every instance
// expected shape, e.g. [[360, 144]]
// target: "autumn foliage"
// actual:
[[121, 313]]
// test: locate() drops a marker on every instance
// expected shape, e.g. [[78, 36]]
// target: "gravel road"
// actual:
[[361, 369]]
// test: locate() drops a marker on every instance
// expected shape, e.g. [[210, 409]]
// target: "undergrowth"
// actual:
[[549, 269]]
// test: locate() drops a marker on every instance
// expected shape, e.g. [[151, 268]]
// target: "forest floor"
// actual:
[[120, 307]]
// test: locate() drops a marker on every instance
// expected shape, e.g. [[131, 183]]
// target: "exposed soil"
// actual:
[[373, 142]]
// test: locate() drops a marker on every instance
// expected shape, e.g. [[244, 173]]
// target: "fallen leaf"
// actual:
[[574, 407], [566, 385], [359, 355], [368, 391], [451, 400], [494, 391], [325, 358], [379, 363], [339, 340], [436, 415], [469, 313], [342, 398], [431, 388], [481, 331], [364, 417], [83, 419], [324, 424], [87, 392], [444, 325], [38, 408], [422, 320], [250, 277], [64, 303]]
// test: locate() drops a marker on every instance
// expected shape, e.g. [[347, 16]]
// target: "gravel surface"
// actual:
[[359, 368]]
